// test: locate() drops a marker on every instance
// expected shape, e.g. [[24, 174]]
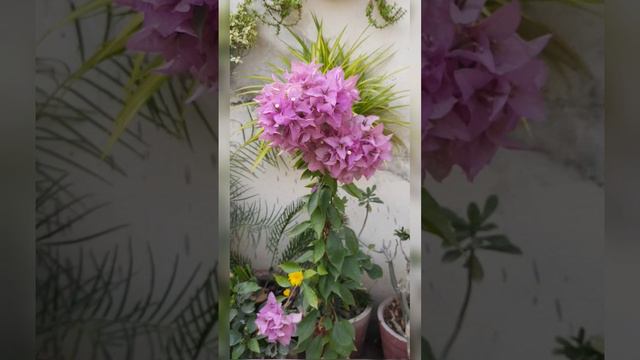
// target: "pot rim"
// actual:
[[362, 315], [380, 315]]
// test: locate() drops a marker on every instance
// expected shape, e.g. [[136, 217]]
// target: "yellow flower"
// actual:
[[295, 278], [286, 292]]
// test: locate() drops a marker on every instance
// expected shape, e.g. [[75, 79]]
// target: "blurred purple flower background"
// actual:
[[184, 32], [479, 79], [311, 112]]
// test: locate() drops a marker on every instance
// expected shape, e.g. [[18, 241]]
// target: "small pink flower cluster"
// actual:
[[273, 323], [311, 112]]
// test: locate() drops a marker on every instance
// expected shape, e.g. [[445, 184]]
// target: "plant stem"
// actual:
[[399, 294], [461, 315], [366, 216], [293, 294]]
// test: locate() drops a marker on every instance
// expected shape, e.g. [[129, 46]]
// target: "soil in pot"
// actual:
[[392, 325], [394, 318]]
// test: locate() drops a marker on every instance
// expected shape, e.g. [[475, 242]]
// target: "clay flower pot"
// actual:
[[360, 323], [394, 345]]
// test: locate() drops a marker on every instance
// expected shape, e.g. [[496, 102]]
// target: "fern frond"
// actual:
[[282, 224], [238, 260], [297, 246]]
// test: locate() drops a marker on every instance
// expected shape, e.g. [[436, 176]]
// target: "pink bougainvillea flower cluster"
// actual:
[[311, 112], [184, 32], [479, 79], [273, 323]]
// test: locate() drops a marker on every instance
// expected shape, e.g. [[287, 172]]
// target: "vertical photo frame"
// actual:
[[323, 198]]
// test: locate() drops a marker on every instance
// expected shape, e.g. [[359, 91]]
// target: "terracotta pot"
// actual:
[[394, 346], [360, 323]]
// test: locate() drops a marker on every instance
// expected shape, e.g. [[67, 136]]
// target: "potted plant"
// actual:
[[261, 324], [332, 115], [393, 312], [325, 281]]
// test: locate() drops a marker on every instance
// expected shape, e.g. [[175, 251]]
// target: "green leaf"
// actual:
[[351, 268], [313, 202], [246, 287], [248, 308], [132, 104], [253, 345], [327, 323], [251, 326], [300, 228], [343, 333], [353, 190], [333, 354], [83, 10], [499, 243], [308, 255], [489, 207], [346, 295], [282, 281], [290, 267], [325, 199], [318, 250], [283, 350], [309, 296], [234, 337], [374, 272], [473, 214], [327, 285], [323, 287], [314, 351], [435, 221], [318, 220], [237, 351], [457, 222], [263, 151], [334, 217], [108, 49], [322, 270], [309, 273], [307, 325], [351, 240], [335, 251], [451, 256]]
